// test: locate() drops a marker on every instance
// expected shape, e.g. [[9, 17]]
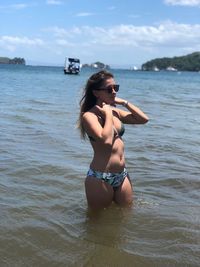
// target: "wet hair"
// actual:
[[96, 81]]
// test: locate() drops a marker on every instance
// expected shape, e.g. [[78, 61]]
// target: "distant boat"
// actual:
[[156, 68], [72, 66], [170, 68], [134, 68], [95, 65]]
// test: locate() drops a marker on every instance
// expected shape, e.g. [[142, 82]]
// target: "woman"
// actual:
[[107, 179]]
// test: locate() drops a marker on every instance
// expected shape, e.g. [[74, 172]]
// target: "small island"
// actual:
[[96, 65], [16, 60], [190, 62]]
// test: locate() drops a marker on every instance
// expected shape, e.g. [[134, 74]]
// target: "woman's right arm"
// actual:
[[94, 129]]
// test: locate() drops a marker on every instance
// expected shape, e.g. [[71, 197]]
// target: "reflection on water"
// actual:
[[105, 227], [104, 231]]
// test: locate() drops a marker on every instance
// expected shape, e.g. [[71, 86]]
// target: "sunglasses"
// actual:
[[110, 88]]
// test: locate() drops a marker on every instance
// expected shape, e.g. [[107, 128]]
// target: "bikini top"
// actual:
[[119, 133], [122, 130]]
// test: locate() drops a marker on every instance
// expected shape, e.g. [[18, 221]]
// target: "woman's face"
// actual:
[[106, 93]]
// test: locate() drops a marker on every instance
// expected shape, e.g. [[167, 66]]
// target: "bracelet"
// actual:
[[125, 104]]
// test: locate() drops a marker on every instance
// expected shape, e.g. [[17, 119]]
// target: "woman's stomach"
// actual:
[[109, 160]]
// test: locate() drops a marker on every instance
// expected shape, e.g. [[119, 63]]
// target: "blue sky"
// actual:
[[118, 33]]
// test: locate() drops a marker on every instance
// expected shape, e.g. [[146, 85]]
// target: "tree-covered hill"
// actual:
[[98, 65], [190, 62], [16, 60]]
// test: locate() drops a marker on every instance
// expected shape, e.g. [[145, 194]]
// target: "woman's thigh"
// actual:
[[124, 194], [99, 194]]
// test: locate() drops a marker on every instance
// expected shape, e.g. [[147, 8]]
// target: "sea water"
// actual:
[[43, 162]]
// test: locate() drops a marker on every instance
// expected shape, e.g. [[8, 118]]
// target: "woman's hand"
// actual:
[[104, 110], [120, 101]]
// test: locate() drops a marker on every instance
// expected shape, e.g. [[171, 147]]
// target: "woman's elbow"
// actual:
[[142, 121], [139, 119], [145, 120]]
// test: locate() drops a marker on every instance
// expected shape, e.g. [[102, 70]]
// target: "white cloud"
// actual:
[[58, 32], [21, 40], [163, 35], [166, 39], [84, 14], [62, 42], [134, 16], [111, 7], [14, 6], [11, 43], [183, 2], [144, 42], [19, 6], [166, 34], [53, 2]]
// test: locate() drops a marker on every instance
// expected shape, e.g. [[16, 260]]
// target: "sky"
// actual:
[[120, 33]]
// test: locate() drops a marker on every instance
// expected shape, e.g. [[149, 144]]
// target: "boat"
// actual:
[[170, 68], [155, 68], [72, 66], [134, 68]]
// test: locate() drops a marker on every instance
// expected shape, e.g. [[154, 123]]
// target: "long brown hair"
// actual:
[[96, 81]]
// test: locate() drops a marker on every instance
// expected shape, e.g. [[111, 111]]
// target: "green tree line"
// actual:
[[16, 60], [190, 62]]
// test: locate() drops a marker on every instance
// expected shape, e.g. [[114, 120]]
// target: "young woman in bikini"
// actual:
[[103, 122]]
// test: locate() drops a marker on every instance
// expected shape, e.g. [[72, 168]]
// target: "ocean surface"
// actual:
[[44, 219]]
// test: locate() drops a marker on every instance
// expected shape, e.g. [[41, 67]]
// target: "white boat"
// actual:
[[170, 68], [72, 66], [156, 68], [134, 68], [95, 65]]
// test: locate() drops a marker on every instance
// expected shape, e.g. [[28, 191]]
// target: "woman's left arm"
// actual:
[[133, 115]]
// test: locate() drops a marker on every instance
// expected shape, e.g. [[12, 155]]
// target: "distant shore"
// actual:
[[16, 60]]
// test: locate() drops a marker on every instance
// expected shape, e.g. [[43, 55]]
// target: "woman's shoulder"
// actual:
[[90, 114]]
